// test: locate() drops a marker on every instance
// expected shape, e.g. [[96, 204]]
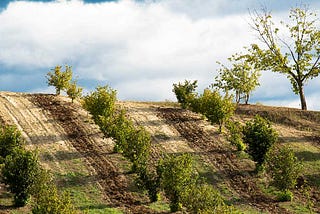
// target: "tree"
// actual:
[[260, 136], [177, 174], [185, 92], [298, 58], [216, 108], [21, 172], [242, 78], [73, 91], [59, 79]]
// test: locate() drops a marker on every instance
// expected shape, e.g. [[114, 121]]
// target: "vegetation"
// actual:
[[235, 136], [185, 93], [242, 78], [73, 91], [259, 136], [21, 173], [60, 79], [298, 58], [283, 167], [10, 139]]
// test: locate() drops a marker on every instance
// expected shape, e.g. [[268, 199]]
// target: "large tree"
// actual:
[[296, 57]]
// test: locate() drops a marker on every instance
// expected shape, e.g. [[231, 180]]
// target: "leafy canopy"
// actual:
[[60, 79]]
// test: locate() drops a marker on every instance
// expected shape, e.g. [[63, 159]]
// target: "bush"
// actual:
[[285, 195], [176, 174], [150, 182], [21, 172], [185, 93], [73, 91], [204, 198], [10, 139], [260, 136], [235, 135], [49, 201], [100, 103], [59, 79], [283, 167], [217, 109]]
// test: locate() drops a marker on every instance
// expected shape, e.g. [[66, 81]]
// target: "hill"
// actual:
[[99, 180]]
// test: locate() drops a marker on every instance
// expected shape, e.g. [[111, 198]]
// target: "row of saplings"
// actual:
[[257, 137], [26, 179]]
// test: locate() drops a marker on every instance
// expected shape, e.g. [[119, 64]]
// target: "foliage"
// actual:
[[73, 91], [185, 92], [235, 135], [216, 108], [49, 201], [177, 174], [259, 136], [242, 78], [283, 166], [100, 102], [203, 198], [150, 182], [298, 57], [285, 195], [21, 172], [59, 79], [10, 139]]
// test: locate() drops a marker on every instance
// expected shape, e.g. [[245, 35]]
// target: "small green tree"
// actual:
[[74, 91], [185, 92], [59, 79], [216, 108], [100, 102], [283, 167], [259, 136], [177, 174], [235, 136], [10, 139], [242, 78], [21, 172]]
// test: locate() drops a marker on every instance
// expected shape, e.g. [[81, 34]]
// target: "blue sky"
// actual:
[[140, 48]]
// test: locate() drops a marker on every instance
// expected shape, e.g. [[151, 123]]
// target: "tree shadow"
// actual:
[[307, 156]]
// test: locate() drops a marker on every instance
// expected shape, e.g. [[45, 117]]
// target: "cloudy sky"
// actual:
[[138, 47]]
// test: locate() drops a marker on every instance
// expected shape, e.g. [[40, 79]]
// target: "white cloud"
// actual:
[[138, 48]]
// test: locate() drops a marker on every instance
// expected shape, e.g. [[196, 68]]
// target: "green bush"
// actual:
[[21, 172], [235, 135], [150, 182], [10, 139], [100, 103], [283, 167], [259, 136], [49, 201], [185, 92], [203, 198], [285, 195], [217, 109], [59, 79], [176, 174]]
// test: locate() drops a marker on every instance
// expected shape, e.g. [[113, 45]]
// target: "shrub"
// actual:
[[10, 139], [217, 109], [21, 172], [283, 167], [150, 182], [236, 135], [260, 136], [59, 79], [176, 174], [100, 102], [285, 195], [185, 92], [73, 91], [203, 198]]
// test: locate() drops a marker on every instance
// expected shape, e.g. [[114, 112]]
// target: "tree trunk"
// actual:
[[302, 97]]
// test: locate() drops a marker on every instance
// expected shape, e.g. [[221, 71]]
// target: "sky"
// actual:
[[138, 47]]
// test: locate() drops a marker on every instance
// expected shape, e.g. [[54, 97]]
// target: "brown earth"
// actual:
[[55, 125]]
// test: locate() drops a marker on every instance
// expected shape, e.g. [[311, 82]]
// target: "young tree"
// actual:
[[242, 78], [74, 91], [10, 139], [59, 79], [185, 92], [298, 58], [260, 136]]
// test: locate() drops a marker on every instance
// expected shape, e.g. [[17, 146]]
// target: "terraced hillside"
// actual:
[[83, 162]]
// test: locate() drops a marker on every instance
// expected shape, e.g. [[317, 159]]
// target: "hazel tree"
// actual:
[[297, 57]]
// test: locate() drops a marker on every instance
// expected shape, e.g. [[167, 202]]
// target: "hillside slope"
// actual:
[[72, 147]]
